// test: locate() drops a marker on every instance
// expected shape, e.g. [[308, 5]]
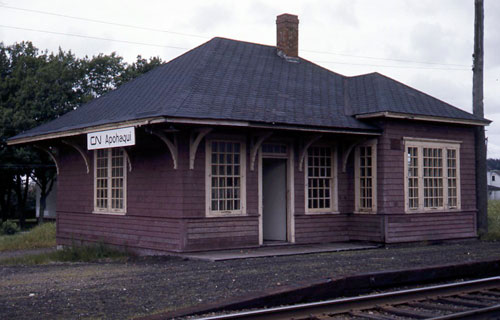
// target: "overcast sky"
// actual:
[[426, 44]]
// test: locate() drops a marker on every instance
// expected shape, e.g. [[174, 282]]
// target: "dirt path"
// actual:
[[145, 286]]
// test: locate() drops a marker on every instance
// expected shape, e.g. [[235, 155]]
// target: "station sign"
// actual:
[[111, 138]]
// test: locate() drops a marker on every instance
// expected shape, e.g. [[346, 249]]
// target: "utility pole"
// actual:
[[478, 110]]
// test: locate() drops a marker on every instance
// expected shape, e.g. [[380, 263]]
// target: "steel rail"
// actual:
[[344, 305]]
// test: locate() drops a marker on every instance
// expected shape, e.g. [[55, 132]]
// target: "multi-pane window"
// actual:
[[412, 177], [365, 176], [110, 180], [226, 177], [320, 179], [432, 175]]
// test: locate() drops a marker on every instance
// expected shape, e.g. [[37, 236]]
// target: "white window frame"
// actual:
[[357, 186], [208, 179], [109, 210], [333, 183], [445, 145]]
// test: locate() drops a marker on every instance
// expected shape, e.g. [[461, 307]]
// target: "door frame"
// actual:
[[290, 191]]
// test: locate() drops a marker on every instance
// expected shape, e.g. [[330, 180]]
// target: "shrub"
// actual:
[[39, 237], [9, 228], [493, 221]]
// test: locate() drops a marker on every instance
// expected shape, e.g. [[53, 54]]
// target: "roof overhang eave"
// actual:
[[274, 126], [85, 130], [207, 122], [395, 115]]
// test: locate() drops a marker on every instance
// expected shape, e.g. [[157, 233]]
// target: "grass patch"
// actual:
[[42, 236], [493, 220], [70, 254]]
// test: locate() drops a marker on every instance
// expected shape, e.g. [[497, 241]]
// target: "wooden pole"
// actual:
[[478, 110]]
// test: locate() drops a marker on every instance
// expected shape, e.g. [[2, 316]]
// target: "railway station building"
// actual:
[[236, 145]]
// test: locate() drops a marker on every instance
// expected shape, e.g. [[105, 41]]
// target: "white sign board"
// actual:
[[111, 138]]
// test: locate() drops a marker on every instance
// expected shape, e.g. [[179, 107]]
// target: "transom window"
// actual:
[[226, 177], [274, 149], [320, 179], [365, 175], [432, 175], [110, 180]]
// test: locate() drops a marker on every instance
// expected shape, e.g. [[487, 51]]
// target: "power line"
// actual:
[[104, 22], [182, 48], [398, 67], [95, 38], [386, 59], [205, 37]]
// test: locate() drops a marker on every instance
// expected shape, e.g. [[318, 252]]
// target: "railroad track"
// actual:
[[476, 299]]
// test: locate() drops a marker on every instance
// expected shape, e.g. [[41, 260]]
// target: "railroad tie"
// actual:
[[407, 313], [463, 302]]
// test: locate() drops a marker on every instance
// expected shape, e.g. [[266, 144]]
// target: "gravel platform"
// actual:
[[143, 286]]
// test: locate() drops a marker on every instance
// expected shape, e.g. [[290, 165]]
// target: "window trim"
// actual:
[[445, 145], [333, 182], [108, 209], [208, 179], [357, 191]]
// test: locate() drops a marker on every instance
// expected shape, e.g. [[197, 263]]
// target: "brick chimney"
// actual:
[[287, 35]]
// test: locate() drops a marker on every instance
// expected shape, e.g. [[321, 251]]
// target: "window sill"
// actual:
[[440, 210], [313, 213], [365, 212], [109, 213], [225, 214]]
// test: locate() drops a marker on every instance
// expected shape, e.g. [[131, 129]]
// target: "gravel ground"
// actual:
[[141, 286]]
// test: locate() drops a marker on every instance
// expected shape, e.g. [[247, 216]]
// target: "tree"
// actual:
[[36, 87], [140, 66]]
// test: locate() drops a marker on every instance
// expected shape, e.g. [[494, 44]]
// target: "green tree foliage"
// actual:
[[493, 164], [36, 87]]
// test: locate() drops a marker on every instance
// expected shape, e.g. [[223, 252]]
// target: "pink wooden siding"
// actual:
[[135, 233], [154, 202], [391, 161], [366, 227], [430, 226], [166, 207], [220, 233], [321, 228]]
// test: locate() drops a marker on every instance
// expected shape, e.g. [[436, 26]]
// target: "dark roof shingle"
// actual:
[[226, 79]]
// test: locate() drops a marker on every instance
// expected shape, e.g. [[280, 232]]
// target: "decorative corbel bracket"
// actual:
[[256, 146], [51, 155], [303, 151], [171, 145], [128, 159], [347, 152], [81, 151], [194, 142]]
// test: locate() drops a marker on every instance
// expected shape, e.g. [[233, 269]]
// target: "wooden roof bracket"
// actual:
[[194, 141], [80, 151], [256, 146], [303, 151], [171, 144], [128, 159], [346, 153], [49, 152]]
